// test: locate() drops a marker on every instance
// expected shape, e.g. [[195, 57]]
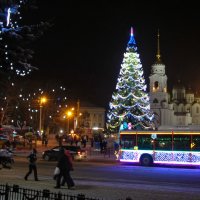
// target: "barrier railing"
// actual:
[[15, 192]]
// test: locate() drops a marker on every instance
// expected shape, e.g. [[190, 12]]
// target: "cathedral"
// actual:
[[179, 109]]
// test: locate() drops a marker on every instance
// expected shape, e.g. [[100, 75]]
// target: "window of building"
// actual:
[[156, 85], [100, 117], [155, 100]]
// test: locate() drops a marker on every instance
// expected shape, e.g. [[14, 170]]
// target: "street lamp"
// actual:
[[69, 114], [42, 101]]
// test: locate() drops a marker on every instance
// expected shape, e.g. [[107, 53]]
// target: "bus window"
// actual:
[[127, 141], [182, 142], [195, 146], [163, 142], [144, 142]]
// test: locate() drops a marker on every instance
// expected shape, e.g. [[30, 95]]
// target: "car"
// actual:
[[4, 137], [76, 152], [4, 140]]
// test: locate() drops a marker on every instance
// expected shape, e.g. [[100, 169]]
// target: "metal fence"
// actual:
[[18, 193]]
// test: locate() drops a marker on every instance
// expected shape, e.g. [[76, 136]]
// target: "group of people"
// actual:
[[44, 139], [73, 140], [64, 165]]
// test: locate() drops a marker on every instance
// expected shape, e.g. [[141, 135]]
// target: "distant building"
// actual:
[[92, 118], [180, 109]]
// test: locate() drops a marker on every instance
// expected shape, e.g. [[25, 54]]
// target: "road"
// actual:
[[113, 181]]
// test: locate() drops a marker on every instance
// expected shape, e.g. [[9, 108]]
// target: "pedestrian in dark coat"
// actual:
[[32, 157], [65, 166], [69, 180]]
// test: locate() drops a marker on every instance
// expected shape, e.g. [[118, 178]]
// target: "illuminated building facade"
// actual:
[[180, 109]]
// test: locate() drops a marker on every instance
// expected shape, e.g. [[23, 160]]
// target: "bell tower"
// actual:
[[158, 80]]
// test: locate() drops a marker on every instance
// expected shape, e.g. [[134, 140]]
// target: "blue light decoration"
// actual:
[[121, 127], [132, 43]]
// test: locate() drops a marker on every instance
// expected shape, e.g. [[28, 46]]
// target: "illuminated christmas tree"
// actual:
[[129, 107]]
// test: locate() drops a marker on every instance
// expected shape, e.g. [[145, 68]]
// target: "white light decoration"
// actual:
[[8, 17], [9, 25], [162, 157], [29, 102]]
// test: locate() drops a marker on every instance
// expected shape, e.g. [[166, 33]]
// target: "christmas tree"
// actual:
[[129, 107]]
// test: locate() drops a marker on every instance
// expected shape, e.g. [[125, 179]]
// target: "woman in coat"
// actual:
[[65, 166]]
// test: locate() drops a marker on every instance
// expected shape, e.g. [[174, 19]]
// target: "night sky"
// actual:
[[84, 49]]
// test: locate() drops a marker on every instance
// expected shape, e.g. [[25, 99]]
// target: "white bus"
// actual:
[[167, 147]]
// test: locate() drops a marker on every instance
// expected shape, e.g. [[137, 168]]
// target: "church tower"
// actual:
[[158, 79], [163, 111], [168, 113]]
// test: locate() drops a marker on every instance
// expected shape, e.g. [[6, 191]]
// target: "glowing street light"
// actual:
[[42, 101], [69, 115]]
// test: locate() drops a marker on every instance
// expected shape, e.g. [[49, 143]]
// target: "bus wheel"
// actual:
[[146, 160]]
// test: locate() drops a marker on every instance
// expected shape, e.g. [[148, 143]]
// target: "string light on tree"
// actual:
[[23, 100], [9, 27], [129, 107], [15, 38]]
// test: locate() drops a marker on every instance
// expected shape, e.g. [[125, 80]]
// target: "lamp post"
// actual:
[[77, 115], [69, 114], [76, 121], [42, 101]]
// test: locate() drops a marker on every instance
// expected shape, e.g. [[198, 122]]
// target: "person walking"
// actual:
[[65, 166], [69, 179], [32, 157]]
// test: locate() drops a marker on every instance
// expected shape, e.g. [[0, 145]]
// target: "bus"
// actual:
[[162, 147]]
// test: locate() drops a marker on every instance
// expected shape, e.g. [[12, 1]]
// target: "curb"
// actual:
[[89, 158]]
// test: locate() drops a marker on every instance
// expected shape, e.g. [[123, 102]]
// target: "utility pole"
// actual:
[[42, 101], [40, 121], [76, 115]]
